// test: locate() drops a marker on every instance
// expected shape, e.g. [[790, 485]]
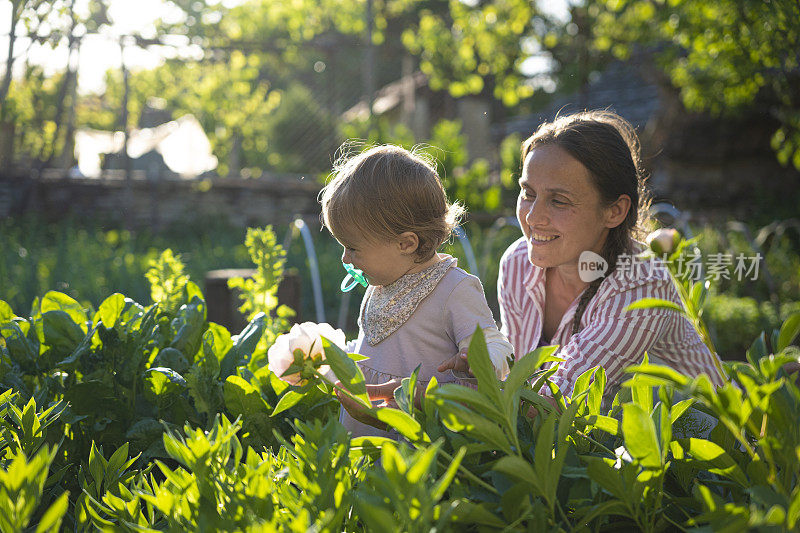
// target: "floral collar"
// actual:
[[386, 308]]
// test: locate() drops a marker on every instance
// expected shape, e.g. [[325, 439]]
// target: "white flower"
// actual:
[[664, 241], [622, 455], [306, 338]]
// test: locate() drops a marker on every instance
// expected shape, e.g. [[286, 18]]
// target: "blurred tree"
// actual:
[[723, 56], [51, 24]]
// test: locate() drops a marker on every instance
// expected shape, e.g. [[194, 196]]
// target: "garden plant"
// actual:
[[137, 417]]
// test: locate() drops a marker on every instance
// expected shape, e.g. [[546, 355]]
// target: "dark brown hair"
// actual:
[[386, 191], [607, 145]]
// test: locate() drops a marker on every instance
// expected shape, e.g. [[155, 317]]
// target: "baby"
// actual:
[[389, 211]]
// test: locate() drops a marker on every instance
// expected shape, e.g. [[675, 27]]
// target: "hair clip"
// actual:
[[353, 278]]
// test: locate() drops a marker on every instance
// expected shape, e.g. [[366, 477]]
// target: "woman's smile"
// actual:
[[538, 238]]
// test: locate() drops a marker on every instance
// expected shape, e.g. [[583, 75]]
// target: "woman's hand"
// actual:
[[383, 393], [457, 363]]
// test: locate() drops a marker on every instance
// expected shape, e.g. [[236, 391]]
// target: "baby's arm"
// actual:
[[467, 309]]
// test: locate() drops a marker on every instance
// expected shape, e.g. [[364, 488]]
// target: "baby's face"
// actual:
[[383, 261]]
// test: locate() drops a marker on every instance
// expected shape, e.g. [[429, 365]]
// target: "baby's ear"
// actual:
[[408, 242]]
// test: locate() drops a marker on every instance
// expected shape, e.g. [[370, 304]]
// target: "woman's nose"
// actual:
[[535, 213]]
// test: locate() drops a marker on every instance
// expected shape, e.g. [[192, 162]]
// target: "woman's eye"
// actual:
[[558, 202], [526, 195]]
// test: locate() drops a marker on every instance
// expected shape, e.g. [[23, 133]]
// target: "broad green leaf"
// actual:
[[655, 303], [51, 519], [422, 462], [663, 375], [527, 365], [440, 486], [111, 309], [58, 301], [543, 453], [471, 513], [594, 400], [461, 420], [698, 294], [639, 433], [602, 422], [242, 398], [347, 372], [710, 456], [481, 366], [789, 331], [793, 512], [471, 398], [288, 400], [404, 423], [6, 313], [757, 350], [679, 408], [61, 335], [583, 381], [606, 476], [171, 358], [516, 468], [160, 384]]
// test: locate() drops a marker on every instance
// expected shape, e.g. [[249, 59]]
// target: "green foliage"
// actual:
[[259, 294], [723, 57], [167, 281]]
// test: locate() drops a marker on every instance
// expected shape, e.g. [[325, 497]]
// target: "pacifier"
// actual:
[[354, 277]]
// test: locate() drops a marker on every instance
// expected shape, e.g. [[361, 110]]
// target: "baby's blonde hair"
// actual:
[[386, 191]]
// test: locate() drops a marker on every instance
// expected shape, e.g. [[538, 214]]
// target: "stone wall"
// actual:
[[155, 204]]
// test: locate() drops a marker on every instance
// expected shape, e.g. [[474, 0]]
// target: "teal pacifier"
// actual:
[[354, 277]]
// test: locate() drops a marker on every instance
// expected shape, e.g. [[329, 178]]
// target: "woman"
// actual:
[[582, 192]]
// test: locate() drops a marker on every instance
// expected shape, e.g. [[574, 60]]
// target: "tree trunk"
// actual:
[[12, 37]]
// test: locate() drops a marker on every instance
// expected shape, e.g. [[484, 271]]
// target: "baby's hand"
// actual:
[[457, 363]]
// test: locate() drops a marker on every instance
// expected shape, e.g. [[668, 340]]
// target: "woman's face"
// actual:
[[559, 209]]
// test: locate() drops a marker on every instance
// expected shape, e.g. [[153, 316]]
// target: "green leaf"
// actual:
[[606, 476], [422, 462], [440, 486], [244, 345], [789, 331], [471, 513], [516, 468], [663, 375], [347, 372], [460, 419], [602, 422], [698, 294], [481, 366], [471, 398], [111, 309], [51, 519], [709, 456], [6, 313], [404, 423], [160, 384], [639, 433], [58, 301], [528, 364], [655, 303], [287, 401], [679, 408], [60, 333]]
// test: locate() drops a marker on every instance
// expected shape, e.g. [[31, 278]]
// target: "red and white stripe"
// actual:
[[609, 337]]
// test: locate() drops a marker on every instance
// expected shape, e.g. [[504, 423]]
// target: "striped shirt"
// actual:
[[609, 336]]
